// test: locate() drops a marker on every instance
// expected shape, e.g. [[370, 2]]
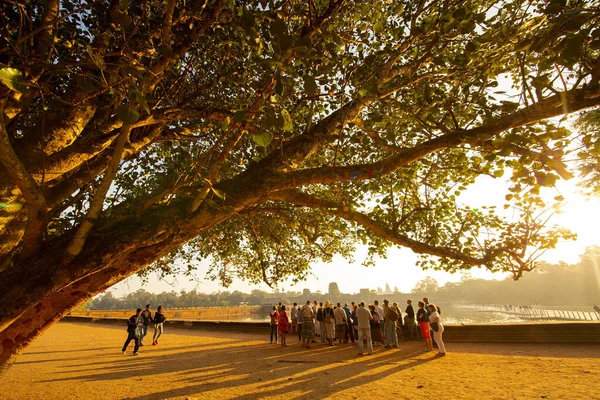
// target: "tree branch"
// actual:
[[550, 107], [343, 211], [76, 245], [34, 199]]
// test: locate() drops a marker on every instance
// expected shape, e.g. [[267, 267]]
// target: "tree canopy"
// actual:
[[269, 134]]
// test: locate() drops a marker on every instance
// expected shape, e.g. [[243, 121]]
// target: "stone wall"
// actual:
[[543, 333], [197, 313]]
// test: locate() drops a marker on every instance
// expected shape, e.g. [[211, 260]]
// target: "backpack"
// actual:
[[393, 315], [320, 314]]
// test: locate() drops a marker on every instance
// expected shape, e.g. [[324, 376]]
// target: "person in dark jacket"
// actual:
[[147, 319], [159, 319], [133, 332]]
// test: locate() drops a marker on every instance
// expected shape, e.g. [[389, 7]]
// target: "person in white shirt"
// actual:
[[364, 328], [435, 322], [381, 314]]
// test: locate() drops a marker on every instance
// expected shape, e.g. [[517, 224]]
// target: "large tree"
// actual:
[[269, 134]]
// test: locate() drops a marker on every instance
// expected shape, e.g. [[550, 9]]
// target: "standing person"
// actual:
[[147, 319], [279, 307], [294, 313], [398, 322], [354, 321], [423, 321], [316, 330], [426, 301], [283, 326], [328, 317], [274, 314], [376, 333], [389, 322], [320, 319], [410, 320], [133, 332], [363, 320], [435, 321], [307, 324], [159, 319], [349, 327], [341, 324], [379, 311], [299, 318]]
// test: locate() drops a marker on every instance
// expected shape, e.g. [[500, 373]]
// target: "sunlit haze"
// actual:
[[398, 269]]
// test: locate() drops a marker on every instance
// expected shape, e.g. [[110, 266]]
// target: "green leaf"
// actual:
[[226, 123], [239, 116], [310, 86], [262, 139], [123, 5], [120, 17], [127, 114], [142, 101], [278, 27], [13, 78], [96, 58], [279, 86], [287, 120]]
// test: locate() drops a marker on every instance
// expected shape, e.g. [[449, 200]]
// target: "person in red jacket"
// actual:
[[283, 326]]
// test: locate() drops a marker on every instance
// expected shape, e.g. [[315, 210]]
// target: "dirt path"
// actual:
[[83, 361]]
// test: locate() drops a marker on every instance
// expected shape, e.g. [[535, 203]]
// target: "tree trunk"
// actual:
[[37, 319]]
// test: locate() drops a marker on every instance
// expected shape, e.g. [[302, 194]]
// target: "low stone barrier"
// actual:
[[543, 333]]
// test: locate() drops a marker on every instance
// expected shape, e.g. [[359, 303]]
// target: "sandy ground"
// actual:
[[83, 361]]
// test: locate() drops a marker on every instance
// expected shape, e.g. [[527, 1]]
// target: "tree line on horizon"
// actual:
[[549, 284]]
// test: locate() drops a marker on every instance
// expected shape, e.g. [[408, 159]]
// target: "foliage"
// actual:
[[588, 125], [266, 135]]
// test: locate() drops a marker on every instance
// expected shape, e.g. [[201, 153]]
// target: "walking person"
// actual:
[[435, 322], [363, 321], [133, 332], [307, 325], [274, 320], [410, 320], [423, 321], [147, 319], [283, 326], [159, 319]]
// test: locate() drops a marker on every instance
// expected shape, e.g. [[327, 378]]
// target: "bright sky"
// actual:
[[399, 268]]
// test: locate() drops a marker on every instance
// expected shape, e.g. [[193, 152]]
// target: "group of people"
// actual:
[[373, 325], [138, 324]]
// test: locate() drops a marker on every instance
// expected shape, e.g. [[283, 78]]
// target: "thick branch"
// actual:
[[550, 107], [342, 211], [82, 233], [44, 39], [35, 202]]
